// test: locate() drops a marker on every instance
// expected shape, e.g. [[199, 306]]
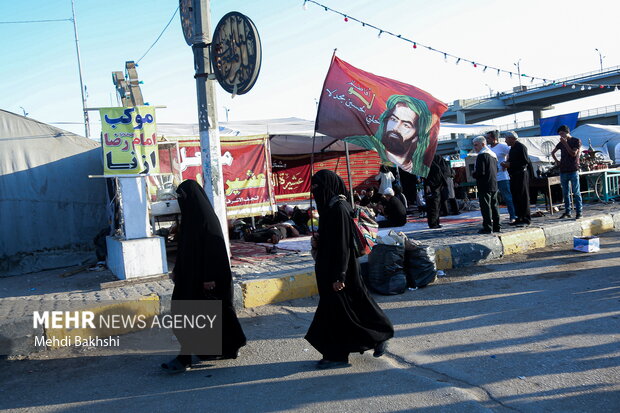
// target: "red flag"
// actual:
[[397, 120]]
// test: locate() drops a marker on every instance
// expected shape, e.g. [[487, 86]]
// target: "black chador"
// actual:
[[347, 319], [202, 272]]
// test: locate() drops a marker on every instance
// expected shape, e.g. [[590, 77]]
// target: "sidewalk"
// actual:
[[288, 275]]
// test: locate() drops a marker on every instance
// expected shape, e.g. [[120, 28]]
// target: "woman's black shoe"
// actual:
[[331, 364], [174, 366], [380, 349], [226, 356]]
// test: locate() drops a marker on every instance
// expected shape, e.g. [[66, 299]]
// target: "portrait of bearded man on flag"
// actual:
[[403, 134], [397, 120]]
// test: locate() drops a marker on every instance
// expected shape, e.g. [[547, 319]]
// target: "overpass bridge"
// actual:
[[534, 98], [606, 115]]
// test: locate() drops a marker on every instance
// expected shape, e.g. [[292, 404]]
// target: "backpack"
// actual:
[[365, 231]]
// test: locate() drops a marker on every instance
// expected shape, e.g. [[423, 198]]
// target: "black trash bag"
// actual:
[[386, 269], [420, 266]]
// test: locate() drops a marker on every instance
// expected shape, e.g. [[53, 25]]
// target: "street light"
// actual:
[[600, 58], [490, 90], [518, 64]]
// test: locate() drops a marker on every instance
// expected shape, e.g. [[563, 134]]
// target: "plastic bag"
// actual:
[[386, 273], [420, 266]]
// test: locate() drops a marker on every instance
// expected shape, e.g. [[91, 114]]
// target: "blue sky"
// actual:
[[553, 39]]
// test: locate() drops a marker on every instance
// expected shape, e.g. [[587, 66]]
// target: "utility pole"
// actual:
[[77, 48], [207, 112], [600, 58], [518, 64]]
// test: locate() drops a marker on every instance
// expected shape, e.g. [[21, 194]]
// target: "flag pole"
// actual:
[[318, 110], [346, 152]]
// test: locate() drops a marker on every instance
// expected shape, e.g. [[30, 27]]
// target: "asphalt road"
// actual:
[[529, 333]]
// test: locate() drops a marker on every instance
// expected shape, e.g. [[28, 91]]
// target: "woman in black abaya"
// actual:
[[347, 319], [202, 272]]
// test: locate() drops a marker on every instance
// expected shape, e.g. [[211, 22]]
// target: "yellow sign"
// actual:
[[129, 140]]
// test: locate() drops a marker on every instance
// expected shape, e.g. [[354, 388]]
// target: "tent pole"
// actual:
[[346, 151], [311, 175]]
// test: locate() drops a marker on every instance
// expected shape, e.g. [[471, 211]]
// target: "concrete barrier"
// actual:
[[562, 232], [273, 290], [596, 225], [616, 218], [523, 240]]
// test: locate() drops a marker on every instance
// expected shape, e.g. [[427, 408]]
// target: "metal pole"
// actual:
[[207, 120], [518, 64], [346, 152], [600, 58], [77, 48]]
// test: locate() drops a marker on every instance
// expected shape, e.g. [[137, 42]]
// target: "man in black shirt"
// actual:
[[434, 183], [517, 165], [393, 210], [570, 149], [485, 172]]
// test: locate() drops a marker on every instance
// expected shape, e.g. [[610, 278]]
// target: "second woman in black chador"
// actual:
[[347, 319], [202, 272]]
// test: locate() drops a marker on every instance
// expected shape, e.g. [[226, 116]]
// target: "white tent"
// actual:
[[604, 138], [292, 136], [47, 202]]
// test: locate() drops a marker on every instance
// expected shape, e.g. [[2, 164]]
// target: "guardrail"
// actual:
[[549, 83]]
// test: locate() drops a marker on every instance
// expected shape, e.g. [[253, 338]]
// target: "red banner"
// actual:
[[247, 176], [292, 173], [397, 120], [191, 161], [246, 169]]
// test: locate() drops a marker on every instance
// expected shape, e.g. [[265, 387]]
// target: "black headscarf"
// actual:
[[201, 254], [329, 185]]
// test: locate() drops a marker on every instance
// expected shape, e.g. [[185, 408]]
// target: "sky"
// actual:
[[549, 38]]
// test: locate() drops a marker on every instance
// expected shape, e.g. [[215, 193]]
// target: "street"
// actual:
[[528, 333]]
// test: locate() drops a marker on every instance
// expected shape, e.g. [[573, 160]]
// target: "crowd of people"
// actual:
[[347, 319]]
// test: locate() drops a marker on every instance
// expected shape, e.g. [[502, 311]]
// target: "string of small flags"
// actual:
[[458, 59]]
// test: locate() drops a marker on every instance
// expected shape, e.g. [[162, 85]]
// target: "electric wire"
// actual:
[[161, 34]]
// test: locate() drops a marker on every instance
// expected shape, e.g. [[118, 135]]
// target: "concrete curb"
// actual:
[[252, 293]]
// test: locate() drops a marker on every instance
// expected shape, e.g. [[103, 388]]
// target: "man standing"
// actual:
[[503, 179], [517, 166], [485, 172], [570, 149], [433, 184]]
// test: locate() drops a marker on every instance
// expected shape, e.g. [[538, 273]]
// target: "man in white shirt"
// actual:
[[503, 179]]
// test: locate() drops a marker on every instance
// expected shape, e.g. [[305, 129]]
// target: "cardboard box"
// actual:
[[586, 244]]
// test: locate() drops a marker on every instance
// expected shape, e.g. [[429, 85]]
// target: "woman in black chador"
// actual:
[[347, 319], [202, 272]]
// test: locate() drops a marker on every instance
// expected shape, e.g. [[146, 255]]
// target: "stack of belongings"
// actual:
[[397, 263]]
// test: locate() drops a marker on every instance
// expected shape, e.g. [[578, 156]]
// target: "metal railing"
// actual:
[[582, 114], [558, 83]]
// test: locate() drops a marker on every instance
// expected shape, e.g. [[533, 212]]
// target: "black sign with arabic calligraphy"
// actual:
[[236, 53]]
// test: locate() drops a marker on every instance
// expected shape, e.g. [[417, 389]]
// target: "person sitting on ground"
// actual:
[[367, 198], [356, 198], [393, 210], [398, 193]]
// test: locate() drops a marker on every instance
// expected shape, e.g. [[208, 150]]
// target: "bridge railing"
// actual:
[[549, 83], [582, 114]]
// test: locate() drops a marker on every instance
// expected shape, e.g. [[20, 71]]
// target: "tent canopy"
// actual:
[[292, 136], [47, 200]]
